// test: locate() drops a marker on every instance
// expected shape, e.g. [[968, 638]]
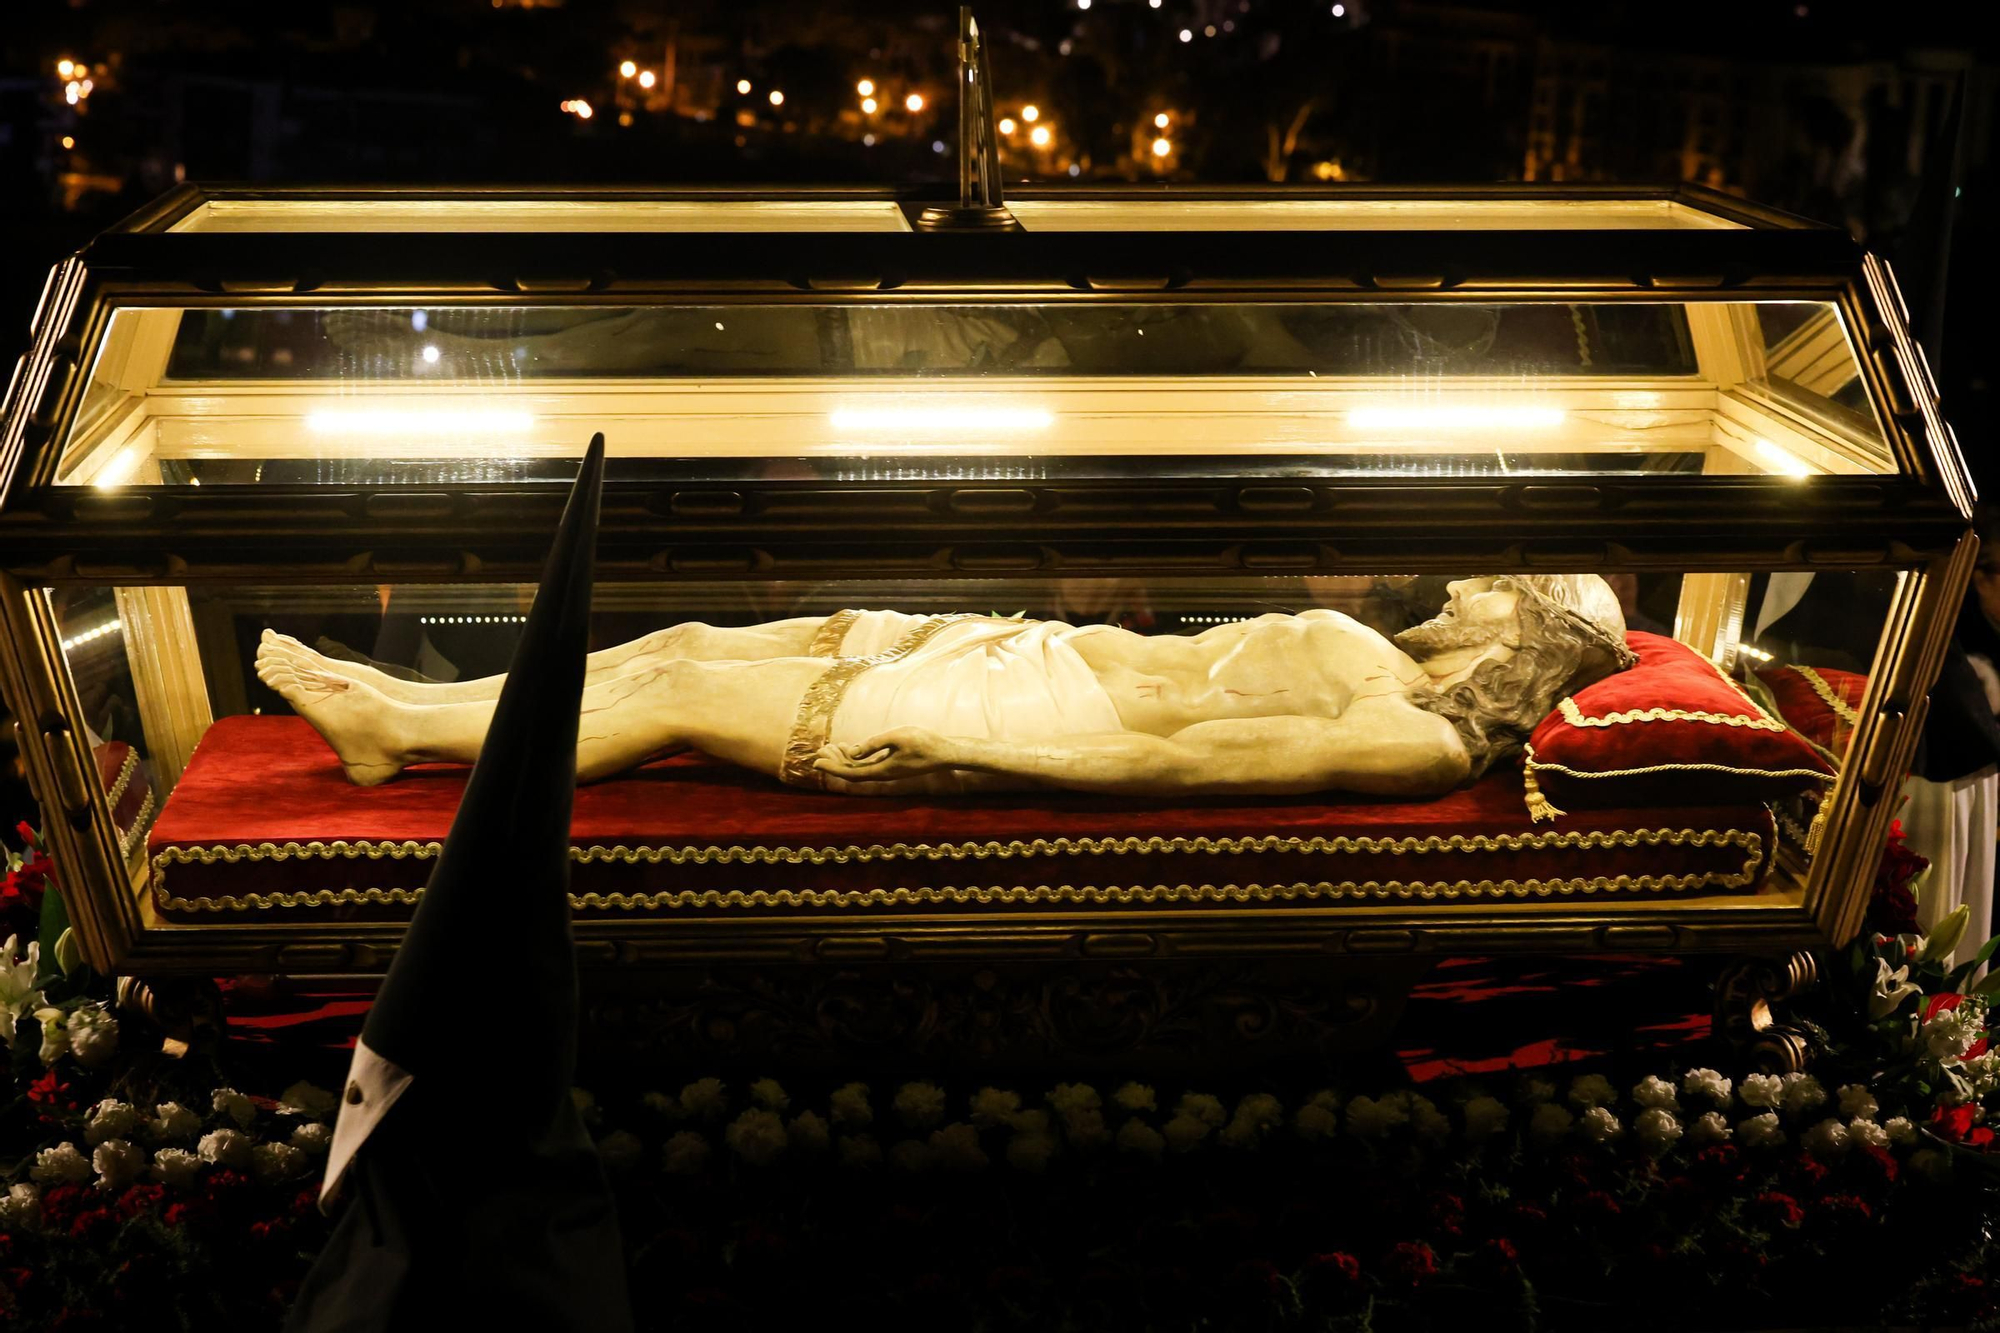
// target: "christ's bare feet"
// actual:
[[356, 719], [289, 649]]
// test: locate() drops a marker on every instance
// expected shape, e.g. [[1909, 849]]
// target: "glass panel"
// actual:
[[1361, 215], [1023, 390], [553, 215], [395, 678]]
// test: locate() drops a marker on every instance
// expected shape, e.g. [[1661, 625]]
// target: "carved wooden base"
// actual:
[[1746, 997], [1155, 1019]]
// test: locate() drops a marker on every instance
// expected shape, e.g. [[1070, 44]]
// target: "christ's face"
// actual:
[[1477, 615]]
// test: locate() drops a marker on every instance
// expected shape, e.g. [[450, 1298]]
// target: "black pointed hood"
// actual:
[[493, 921]]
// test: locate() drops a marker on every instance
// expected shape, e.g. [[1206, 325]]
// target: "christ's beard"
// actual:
[[1444, 634]]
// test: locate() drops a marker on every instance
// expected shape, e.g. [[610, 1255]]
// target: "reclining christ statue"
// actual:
[[882, 703]]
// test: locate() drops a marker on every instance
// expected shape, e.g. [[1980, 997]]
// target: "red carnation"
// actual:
[[1877, 1165], [1953, 1123], [1778, 1210], [1806, 1173], [1410, 1262], [140, 1199], [1720, 1164], [1335, 1270], [92, 1223], [1258, 1277], [1446, 1213], [1596, 1205], [1498, 1256], [1840, 1210], [60, 1204]]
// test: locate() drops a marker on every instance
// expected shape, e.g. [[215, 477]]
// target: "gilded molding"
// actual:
[[1752, 844]]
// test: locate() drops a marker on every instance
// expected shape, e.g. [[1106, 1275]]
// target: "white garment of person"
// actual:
[[372, 1087], [1954, 824]]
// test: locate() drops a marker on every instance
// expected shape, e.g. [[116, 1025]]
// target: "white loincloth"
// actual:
[[971, 676]]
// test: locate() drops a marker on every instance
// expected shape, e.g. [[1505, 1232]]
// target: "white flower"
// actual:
[[1313, 1121], [757, 1136], [230, 1102], [1202, 1107], [1983, 1072], [1950, 1034], [1085, 1128], [1135, 1135], [859, 1150], [274, 1162], [62, 1164], [1484, 1117], [110, 1119], [176, 1166], [308, 1099], [1856, 1102], [1135, 1097], [1031, 1152], [55, 1035], [1535, 1091], [705, 1099], [312, 1138], [808, 1132], [93, 1034], [620, 1150], [1184, 1131], [1710, 1128], [20, 1205], [849, 1105], [1802, 1093], [1656, 1129], [1430, 1124], [921, 1105], [956, 1148], [1891, 989], [172, 1121], [1900, 1130], [911, 1155], [770, 1094], [1931, 1164], [660, 1104], [1599, 1125], [118, 1163], [993, 1106], [1867, 1133], [225, 1147], [685, 1154], [1549, 1124], [1762, 1131], [1034, 1121], [1765, 1090], [1067, 1097], [1653, 1090], [1591, 1090], [1828, 1138], [1706, 1083], [1368, 1118], [18, 993]]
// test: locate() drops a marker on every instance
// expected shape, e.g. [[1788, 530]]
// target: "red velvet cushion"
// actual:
[[1819, 703], [1671, 729], [129, 787]]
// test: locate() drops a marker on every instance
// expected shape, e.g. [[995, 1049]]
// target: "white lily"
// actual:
[[1891, 989], [18, 992]]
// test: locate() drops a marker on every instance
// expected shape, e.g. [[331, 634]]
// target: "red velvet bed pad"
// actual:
[[263, 821]]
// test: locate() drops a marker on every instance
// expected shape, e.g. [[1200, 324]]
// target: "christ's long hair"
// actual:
[[1572, 634]]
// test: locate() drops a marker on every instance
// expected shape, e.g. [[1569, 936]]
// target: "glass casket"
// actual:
[[351, 416]]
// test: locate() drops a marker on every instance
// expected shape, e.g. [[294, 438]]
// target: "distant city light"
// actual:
[[1040, 136], [1209, 31], [68, 141], [626, 69], [420, 320], [866, 87], [777, 98], [65, 67], [1031, 113], [1340, 11], [1152, 4], [1075, 169], [577, 107], [1187, 35], [867, 141], [868, 104], [743, 86], [647, 78], [430, 354], [914, 103], [71, 91], [1083, 4], [1007, 125], [1162, 147], [937, 145], [1160, 121]]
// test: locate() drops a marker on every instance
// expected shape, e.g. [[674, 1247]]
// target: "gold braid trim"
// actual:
[[1544, 767], [821, 698], [1751, 843], [128, 840], [125, 772], [831, 634], [1576, 718], [1828, 695]]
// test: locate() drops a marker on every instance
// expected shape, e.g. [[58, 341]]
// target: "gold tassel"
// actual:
[[1818, 826], [1540, 807]]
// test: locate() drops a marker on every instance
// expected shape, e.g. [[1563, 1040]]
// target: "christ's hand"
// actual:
[[904, 752]]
